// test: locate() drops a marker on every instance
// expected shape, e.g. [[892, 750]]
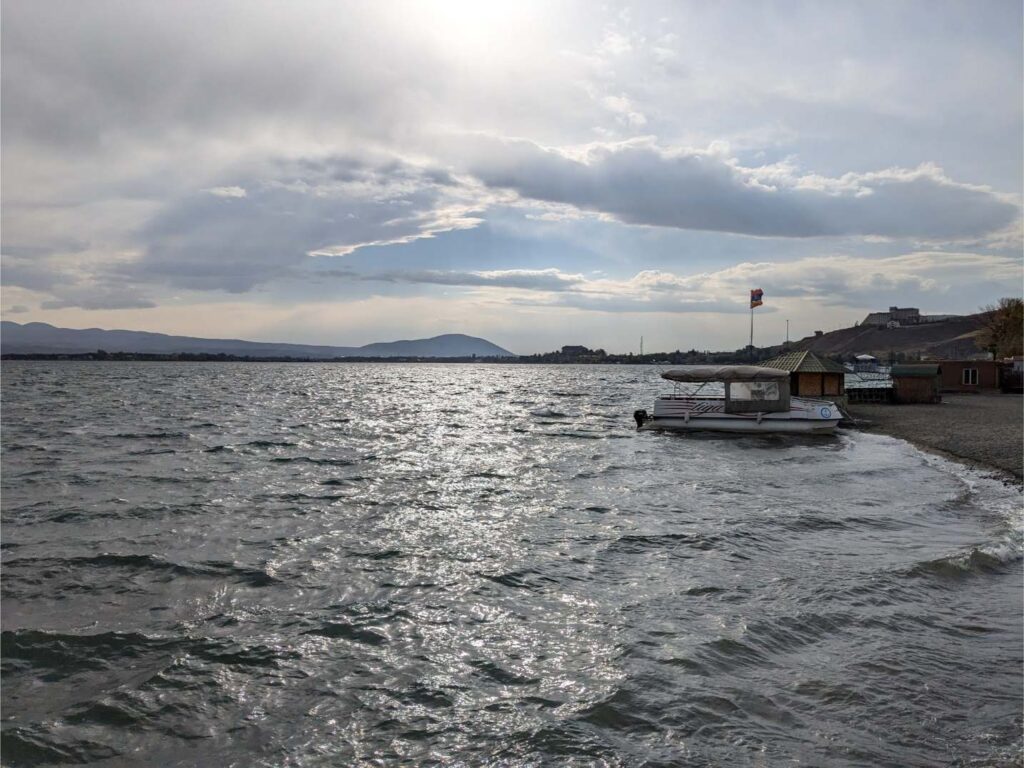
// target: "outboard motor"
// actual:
[[640, 417]]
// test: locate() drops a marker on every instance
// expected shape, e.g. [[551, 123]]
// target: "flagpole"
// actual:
[[751, 327]]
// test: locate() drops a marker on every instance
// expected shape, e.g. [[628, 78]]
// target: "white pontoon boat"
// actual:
[[756, 399]]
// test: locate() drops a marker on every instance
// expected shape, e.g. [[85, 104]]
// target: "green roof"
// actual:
[[915, 371], [804, 362]]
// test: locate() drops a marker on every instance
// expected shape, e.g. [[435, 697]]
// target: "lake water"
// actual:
[[305, 565]]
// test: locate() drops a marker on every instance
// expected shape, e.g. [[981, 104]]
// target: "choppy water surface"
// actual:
[[217, 564]]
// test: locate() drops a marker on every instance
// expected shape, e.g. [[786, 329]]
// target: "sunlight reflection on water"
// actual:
[[293, 564]]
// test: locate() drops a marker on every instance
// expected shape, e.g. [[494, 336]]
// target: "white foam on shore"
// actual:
[[988, 490]]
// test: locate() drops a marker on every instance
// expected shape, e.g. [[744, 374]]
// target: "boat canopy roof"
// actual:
[[724, 373]]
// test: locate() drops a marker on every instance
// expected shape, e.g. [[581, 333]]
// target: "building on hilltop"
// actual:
[[897, 317], [905, 316]]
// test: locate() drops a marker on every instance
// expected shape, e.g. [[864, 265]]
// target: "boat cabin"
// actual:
[[748, 388]]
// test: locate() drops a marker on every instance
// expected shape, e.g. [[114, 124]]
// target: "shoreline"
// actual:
[[982, 430]]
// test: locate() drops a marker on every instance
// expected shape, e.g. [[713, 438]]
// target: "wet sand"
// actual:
[[985, 430]]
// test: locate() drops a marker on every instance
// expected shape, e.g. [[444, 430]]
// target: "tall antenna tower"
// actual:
[[641, 346]]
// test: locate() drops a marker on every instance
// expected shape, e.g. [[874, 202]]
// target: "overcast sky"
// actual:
[[537, 174]]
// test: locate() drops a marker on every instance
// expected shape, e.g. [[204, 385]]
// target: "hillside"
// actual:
[[42, 338], [952, 338]]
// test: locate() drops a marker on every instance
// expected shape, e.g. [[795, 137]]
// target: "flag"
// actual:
[[755, 297]]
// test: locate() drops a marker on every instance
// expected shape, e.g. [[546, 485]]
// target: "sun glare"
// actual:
[[462, 27]]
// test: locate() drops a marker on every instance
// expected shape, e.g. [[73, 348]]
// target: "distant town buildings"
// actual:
[[866, 364], [575, 350], [900, 316]]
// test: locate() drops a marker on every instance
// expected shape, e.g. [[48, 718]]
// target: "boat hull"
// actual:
[[743, 425], [687, 413]]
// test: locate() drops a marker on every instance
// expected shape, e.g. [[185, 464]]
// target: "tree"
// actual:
[[1002, 331]]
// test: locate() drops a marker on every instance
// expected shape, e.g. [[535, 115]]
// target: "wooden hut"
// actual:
[[969, 375], [918, 383], [812, 376]]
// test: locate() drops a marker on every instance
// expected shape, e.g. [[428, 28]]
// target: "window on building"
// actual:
[[970, 376]]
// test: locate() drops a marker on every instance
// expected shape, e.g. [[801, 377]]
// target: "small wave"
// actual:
[[310, 496], [811, 523], [501, 675], [328, 462], [209, 568], [270, 444], [346, 631], [236, 654], [633, 543], [620, 712], [64, 653], [701, 591], [725, 654], [35, 745], [549, 413], [158, 435], [387, 554], [524, 579], [977, 562]]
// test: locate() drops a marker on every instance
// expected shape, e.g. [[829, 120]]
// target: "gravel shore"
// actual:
[[982, 429]]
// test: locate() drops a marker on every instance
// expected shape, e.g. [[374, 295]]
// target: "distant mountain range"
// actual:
[[43, 338]]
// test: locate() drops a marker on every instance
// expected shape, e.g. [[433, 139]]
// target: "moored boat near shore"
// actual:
[[755, 399]]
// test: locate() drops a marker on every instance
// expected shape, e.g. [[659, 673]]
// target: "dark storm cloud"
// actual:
[[639, 183]]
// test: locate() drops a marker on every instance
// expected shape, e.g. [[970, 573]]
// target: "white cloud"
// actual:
[[214, 147], [935, 277], [227, 191], [640, 182]]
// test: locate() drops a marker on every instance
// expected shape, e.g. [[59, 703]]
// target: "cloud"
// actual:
[[641, 182], [294, 210], [99, 299], [233, 147], [523, 279], [35, 276], [227, 191], [934, 278]]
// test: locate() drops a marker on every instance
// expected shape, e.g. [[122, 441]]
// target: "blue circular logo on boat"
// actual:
[[826, 413]]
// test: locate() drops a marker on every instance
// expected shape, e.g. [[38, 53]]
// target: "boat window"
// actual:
[[754, 390]]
